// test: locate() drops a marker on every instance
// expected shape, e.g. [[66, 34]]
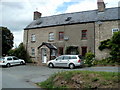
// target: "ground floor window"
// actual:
[[53, 52], [73, 50], [84, 50], [32, 51]]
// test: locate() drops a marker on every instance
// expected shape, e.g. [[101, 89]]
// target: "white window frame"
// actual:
[[33, 38], [51, 36], [115, 30]]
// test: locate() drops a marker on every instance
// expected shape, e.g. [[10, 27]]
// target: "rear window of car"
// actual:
[[80, 56], [73, 57]]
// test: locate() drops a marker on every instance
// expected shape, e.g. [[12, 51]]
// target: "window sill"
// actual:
[[50, 40], [84, 39]]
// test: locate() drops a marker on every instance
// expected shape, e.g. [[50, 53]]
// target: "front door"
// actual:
[[44, 55], [84, 51]]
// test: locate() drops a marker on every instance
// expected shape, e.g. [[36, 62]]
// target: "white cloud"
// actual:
[[18, 37], [111, 3], [82, 6], [90, 5]]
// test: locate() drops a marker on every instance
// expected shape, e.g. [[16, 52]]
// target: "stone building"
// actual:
[[70, 33]]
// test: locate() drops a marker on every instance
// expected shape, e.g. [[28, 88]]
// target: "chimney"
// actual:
[[101, 5], [37, 15]]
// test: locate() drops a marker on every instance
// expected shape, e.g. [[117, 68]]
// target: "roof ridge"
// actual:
[[76, 12]]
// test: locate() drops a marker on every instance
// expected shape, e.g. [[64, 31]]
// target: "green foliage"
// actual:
[[108, 61], [89, 58], [116, 38], [72, 50], [7, 40], [89, 78], [104, 44], [114, 45], [20, 52]]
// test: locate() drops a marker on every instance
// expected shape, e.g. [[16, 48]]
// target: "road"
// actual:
[[26, 76]]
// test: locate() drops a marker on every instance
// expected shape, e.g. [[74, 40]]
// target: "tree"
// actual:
[[20, 52], [7, 40], [114, 45]]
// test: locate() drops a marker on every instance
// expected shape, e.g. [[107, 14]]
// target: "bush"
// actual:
[[20, 52], [107, 61], [114, 45], [89, 59]]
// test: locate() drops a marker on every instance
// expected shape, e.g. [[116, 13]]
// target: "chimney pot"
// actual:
[[101, 5], [37, 15]]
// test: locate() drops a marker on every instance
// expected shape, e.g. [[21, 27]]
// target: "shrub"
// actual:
[[114, 45], [20, 52], [89, 58]]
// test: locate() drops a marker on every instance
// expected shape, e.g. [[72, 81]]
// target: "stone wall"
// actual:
[[96, 32], [103, 31]]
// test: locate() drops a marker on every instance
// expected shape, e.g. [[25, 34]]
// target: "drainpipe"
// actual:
[[27, 41], [94, 38]]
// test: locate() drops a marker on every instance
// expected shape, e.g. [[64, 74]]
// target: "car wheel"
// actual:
[[50, 65], [8, 65], [21, 63], [71, 66]]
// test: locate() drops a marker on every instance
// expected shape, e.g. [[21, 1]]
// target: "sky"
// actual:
[[17, 14]]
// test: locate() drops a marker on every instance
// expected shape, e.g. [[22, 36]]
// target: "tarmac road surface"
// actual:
[[25, 76]]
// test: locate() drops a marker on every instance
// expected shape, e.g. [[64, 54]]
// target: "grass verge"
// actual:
[[82, 79]]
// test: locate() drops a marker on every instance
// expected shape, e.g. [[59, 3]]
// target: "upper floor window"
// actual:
[[84, 34], [51, 36], [115, 30], [33, 38], [61, 35]]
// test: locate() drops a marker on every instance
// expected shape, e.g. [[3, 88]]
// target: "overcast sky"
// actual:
[[17, 14]]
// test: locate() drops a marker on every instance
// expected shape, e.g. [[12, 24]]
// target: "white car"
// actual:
[[70, 61], [10, 60]]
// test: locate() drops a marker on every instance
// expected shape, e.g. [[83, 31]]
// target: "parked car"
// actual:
[[70, 61], [10, 60]]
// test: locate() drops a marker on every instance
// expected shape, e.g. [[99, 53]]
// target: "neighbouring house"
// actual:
[[70, 33]]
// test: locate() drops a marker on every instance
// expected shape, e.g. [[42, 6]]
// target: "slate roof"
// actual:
[[77, 17], [50, 46]]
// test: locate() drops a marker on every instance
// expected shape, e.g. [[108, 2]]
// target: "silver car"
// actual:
[[70, 61], [10, 60]]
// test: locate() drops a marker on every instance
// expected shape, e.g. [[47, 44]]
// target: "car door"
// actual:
[[16, 60], [65, 61], [10, 60], [58, 61]]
